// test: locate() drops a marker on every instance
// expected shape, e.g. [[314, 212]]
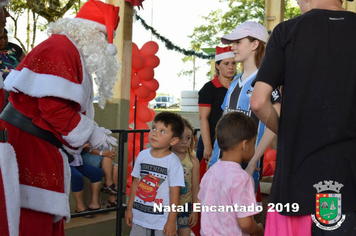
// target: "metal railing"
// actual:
[[121, 207], [121, 189]]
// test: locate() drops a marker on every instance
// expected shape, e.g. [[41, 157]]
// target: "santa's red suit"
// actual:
[[52, 88], [9, 203]]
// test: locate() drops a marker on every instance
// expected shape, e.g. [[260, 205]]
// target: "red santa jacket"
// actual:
[[51, 87]]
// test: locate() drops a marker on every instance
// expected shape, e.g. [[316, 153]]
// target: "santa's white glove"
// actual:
[[101, 139]]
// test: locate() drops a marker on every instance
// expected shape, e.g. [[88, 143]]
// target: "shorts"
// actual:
[[183, 218], [93, 160], [137, 230]]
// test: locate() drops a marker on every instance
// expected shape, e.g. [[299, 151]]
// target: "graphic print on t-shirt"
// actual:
[[187, 172], [147, 188], [152, 177]]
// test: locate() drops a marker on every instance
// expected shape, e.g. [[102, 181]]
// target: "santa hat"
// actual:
[[223, 53], [106, 15]]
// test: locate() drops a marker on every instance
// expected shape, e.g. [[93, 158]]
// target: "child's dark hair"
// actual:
[[233, 128], [172, 119]]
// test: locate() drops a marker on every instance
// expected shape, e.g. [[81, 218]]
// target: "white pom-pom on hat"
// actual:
[[111, 49]]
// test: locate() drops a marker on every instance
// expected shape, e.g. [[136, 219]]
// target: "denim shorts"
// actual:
[[183, 218], [93, 160]]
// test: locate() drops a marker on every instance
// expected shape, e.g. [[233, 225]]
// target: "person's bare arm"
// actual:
[[22, 56], [262, 106], [128, 214], [193, 218], [204, 113], [170, 228], [266, 140], [249, 226]]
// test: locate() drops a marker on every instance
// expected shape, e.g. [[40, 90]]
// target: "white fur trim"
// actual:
[[10, 176], [48, 201], [44, 200], [111, 49], [224, 55], [42, 85], [80, 134], [67, 178], [85, 21]]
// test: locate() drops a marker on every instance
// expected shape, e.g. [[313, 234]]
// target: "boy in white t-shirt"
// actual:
[[227, 193], [158, 176]]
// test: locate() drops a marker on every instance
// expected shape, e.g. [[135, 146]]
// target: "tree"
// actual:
[[219, 23], [50, 10]]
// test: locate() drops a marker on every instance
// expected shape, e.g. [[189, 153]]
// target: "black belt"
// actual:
[[3, 136], [17, 119]]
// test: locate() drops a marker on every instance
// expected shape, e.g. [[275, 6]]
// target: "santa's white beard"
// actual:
[[91, 43]]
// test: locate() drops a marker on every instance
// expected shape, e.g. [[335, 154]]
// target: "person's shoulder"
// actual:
[[195, 160], [173, 158], [206, 87], [14, 46]]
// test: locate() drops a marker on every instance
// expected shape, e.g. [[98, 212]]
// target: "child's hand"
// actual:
[[260, 230], [109, 154], [193, 219], [128, 218], [170, 228]]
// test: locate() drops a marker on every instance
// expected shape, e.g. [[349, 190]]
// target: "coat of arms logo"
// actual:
[[328, 214]]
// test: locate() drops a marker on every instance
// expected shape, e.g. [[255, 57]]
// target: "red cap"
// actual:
[[102, 13], [223, 53]]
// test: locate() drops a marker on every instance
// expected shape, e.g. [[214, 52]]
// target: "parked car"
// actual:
[[166, 102], [152, 104]]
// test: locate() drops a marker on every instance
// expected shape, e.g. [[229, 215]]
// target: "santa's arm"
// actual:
[[76, 129], [63, 116]]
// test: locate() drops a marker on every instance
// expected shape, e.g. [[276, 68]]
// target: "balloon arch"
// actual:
[[143, 90]]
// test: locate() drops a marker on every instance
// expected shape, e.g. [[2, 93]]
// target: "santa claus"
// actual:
[[50, 115]]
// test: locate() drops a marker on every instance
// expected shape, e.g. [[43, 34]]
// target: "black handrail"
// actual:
[[121, 207]]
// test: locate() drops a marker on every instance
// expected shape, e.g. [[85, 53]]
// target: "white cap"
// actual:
[[248, 28]]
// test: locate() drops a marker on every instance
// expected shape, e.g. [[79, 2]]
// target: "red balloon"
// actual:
[[143, 101], [129, 157], [142, 91], [151, 61], [153, 113], [146, 73], [149, 48], [143, 112], [149, 98], [135, 50], [141, 125], [270, 156], [152, 84], [131, 116], [138, 61], [135, 81]]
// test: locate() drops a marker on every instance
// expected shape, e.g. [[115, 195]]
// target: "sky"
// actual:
[[174, 20]]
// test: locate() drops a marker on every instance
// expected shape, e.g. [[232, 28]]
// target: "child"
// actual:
[[248, 41], [184, 150], [104, 159], [227, 184], [158, 176]]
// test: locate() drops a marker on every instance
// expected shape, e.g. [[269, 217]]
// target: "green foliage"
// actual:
[[291, 10], [51, 10], [219, 23]]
